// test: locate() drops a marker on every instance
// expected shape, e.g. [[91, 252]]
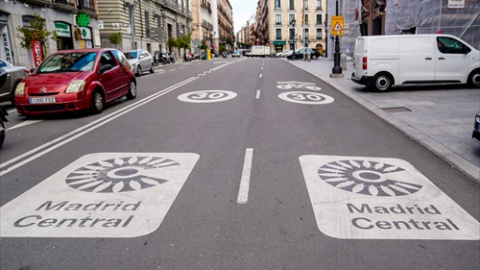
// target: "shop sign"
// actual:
[[83, 20], [456, 4], [86, 33], [37, 50], [63, 29]]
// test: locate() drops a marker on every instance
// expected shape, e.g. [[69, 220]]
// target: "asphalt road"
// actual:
[[230, 164]]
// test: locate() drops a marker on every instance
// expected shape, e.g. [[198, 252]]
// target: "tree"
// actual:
[[115, 38], [204, 45], [35, 32], [172, 43], [184, 41]]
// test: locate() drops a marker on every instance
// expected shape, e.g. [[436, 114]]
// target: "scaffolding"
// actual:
[[408, 17]]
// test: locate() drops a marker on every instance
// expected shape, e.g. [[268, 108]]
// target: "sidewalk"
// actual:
[[440, 118]]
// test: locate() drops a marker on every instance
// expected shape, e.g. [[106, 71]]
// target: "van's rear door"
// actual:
[[358, 55], [417, 59]]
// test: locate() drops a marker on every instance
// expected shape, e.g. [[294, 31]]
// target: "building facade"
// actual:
[[74, 22], [146, 24], [288, 24]]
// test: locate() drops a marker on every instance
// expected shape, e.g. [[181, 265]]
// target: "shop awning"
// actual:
[[213, 46], [279, 42]]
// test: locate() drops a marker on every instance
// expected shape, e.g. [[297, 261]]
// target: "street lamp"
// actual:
[[292, 23]]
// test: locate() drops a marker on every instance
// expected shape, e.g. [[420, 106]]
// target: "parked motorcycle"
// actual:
[[164, 58], [3, 111], [172, 57]]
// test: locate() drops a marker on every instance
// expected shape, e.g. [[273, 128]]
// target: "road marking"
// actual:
[[260, 76], [261, 68], [381, 198], [56, 143], [173, 69], [257, 96], [245, 181], [112, 195], [303, 97], [25, 123], [207, 96]]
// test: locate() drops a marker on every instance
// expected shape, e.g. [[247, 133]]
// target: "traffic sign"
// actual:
[[337, 26]]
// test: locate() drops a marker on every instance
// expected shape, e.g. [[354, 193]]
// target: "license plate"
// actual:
[[42, 100]]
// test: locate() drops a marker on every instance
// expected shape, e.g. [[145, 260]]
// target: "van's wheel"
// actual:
[[132, 91], [139, 71], [97, 102], [382, 82], [474, 79]]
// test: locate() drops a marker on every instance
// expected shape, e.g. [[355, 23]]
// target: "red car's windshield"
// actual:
[[69, 62]]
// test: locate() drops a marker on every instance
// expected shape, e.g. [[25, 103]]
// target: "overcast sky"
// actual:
[[242, 11]]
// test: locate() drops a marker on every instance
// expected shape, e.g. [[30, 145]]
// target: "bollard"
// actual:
[[343, 61]]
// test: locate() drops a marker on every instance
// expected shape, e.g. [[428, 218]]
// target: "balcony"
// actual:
[[86, 6], [38, 2], [64, 5]]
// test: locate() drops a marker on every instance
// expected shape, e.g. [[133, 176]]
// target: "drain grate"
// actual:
[[396, 109]]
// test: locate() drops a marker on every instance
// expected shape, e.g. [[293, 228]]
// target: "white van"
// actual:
[[381, 62]]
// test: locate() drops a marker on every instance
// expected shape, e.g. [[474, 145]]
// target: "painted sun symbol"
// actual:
[[120, 174], [366, 177]]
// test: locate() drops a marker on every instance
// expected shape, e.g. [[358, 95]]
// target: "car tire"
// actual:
[[132, 90], [382, 82], [152, 70], [2, 133], [139, 71], [97, 102], [474, 79]]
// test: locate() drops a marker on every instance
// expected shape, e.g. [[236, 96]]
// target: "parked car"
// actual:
[[476, 127], [381, 62], [235, 54], [74, 80], [140, 60], [299, 53], [14, 75]]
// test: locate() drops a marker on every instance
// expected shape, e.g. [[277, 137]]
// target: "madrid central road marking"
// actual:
[[114, 195], [381, 198]]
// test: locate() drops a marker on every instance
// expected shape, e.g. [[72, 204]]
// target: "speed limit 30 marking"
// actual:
[[304, 97], [207, 96]]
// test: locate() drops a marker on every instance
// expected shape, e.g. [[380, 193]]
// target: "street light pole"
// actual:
[[292, 23], [337, 69]]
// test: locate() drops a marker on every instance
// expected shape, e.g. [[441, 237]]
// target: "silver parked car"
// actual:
[[140, 60], [14, 75]]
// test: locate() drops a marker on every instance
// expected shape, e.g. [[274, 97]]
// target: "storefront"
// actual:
[[279, 45], [64, 36]]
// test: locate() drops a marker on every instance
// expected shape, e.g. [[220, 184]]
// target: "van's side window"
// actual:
[[451, 46]]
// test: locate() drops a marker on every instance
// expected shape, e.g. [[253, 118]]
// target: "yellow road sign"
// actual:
[[337, 26]]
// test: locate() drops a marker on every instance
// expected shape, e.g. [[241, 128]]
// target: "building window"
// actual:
[[278, 19], [278, 4], [306, 4], [318, 4], [319, 19], [306, 18], [291, 33], [278, 34], [319, 34], [291, 17], [305, 37], [147, 24], [292, 5]]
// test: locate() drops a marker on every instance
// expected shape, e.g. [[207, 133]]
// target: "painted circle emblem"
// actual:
[[207, 96], [120, 174], [304, 97], [366, 177]]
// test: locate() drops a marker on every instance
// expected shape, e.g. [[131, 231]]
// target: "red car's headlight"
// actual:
[[75, 86]]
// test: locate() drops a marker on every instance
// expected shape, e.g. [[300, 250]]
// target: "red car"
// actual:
[[73, 80]]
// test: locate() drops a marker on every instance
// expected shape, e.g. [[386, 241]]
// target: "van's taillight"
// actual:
[[364, 63]]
